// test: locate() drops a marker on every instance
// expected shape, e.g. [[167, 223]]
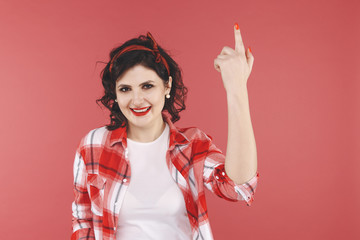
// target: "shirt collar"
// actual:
[[176, 137]]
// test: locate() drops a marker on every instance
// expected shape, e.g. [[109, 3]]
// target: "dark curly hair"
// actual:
[[127, 60]]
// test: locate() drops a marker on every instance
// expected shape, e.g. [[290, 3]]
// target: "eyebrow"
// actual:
[[125, 85]]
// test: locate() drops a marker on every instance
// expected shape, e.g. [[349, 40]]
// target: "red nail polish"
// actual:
[[250, 49], [237, 26]]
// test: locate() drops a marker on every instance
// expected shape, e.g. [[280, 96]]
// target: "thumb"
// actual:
[[249, 58]]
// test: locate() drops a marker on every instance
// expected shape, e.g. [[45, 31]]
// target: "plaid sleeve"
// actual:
[[217, 181], [82, 225]]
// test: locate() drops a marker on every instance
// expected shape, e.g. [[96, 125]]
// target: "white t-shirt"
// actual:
[[153, 207]]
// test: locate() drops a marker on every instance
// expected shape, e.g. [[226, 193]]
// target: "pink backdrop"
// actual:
[[303, 94]]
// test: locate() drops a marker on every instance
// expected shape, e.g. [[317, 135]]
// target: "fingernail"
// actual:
[[250, 49], [237, 26]]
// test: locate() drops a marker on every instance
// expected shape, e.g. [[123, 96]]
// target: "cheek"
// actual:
[[123, 102], [157, 99]]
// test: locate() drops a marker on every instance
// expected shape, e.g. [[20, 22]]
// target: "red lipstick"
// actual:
[[140, 113]]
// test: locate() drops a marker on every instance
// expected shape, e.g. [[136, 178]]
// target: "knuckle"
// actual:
[[225, 48]]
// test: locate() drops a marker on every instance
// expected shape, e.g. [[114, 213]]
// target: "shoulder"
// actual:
[[195, 134], [95, 136]]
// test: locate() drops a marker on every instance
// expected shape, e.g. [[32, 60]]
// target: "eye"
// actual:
[[147, 86], [124, 89]]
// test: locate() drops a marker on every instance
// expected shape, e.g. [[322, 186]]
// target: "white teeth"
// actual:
[[144, 110]]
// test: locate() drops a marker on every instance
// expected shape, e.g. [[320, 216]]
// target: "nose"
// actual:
[[138, 98]]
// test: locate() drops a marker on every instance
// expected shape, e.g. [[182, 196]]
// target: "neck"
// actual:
[[146, 134]]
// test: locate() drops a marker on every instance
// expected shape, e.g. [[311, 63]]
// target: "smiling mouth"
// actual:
[[140, 110]]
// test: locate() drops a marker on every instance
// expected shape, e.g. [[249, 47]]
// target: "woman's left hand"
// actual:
[[234, 65]]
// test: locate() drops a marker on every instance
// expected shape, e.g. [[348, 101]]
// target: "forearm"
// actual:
[[241, 155]]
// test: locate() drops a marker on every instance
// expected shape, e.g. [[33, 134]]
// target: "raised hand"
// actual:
[[234, 64]]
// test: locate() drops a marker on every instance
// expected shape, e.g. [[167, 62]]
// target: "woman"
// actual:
[[140, 177]]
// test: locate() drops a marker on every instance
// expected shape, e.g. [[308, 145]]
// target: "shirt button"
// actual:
[[126, 153], [216, 177], [124, 180], [223, 173]]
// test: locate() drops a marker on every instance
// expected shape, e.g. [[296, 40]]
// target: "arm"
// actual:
[[82, 225], [241, 156], [217, 181], [235, 66]]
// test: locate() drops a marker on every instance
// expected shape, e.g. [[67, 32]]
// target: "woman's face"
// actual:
[[140, 93]]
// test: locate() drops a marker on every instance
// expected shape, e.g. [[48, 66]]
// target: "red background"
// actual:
[[303, 93]]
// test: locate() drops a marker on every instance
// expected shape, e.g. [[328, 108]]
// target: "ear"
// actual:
[[169, 82]]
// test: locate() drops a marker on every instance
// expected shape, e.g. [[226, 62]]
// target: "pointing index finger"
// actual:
[[239, 45]]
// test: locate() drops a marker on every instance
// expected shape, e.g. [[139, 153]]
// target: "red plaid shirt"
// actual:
[[102, 175]]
